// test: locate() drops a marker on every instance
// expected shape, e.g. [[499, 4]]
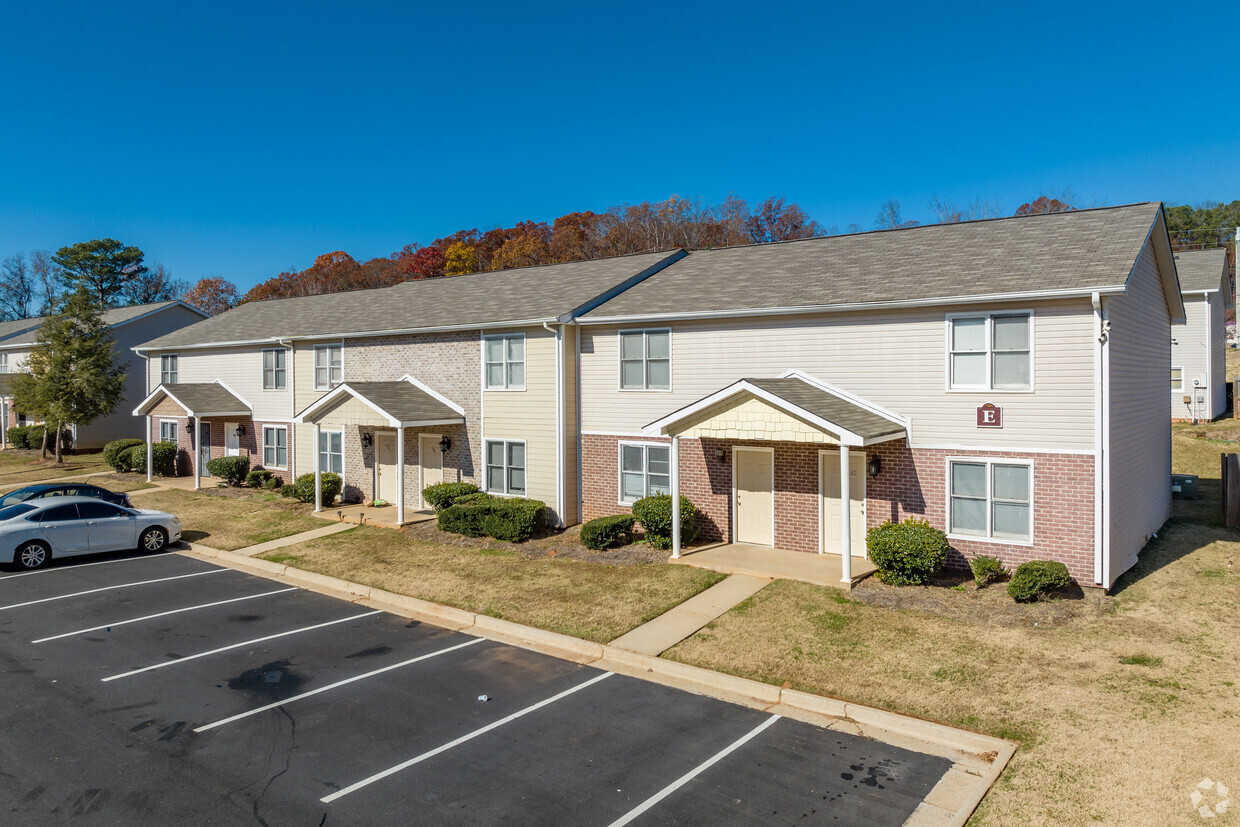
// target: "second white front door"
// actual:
[[430, 459], [232, 444], [829, 482], [385, 466], [753, 493]]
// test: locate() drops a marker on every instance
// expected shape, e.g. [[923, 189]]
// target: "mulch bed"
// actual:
[[563, 544]]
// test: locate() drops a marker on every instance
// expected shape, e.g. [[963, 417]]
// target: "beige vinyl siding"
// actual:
[[1218, 355], [240, 368], [894, 358], [1190, 343], [528, 415], [1139, 358], [571, 514], [17, 360]]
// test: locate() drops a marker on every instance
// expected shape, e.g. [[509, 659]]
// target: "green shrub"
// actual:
[[1038, 579], [986, 570], [289, 490], [232, 470], [514, 519], [472, 498], [907, 553], [606, 532], [445, 494], [132, 458], [655, 515], [303, 487], [18, 436], [271, 483], [165, 458], [257, 478], [112, 452]]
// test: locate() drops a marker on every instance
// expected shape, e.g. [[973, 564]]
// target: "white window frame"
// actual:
[[645, 331], [176, 430], [275, 447], [645, 446], [525, 357], [989, 536], [315, 367], [990, 352], [322, 455], [1180, 390], [175, 361], [486, 466], [4, 363], [276, 371]]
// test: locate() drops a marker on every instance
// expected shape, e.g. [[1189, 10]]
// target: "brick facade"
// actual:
[[912, 483], [250, 443]]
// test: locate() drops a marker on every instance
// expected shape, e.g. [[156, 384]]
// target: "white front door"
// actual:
[[753, 493], [385, 466], [430, 459], [232, 442], [829, 486]]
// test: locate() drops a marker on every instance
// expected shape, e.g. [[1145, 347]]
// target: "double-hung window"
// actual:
[[990, 352], [331, 452], [275, 447], [4, 363], [1177, 380], [506, 467], [991, 499], [644, 470], [274, 372], [168, 369], [328, 366], [168, 430], [646, 360], [505, 362]]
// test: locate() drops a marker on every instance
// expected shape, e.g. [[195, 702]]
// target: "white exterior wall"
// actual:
[[897, 359], [1190, 350], [241, 368]]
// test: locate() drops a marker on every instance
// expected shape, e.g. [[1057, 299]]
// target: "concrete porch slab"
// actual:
[[360, 514], [761, 561]]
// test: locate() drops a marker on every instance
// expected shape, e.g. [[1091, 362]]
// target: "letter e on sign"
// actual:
[[989, 416]]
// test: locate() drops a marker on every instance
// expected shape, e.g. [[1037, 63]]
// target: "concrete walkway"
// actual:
[[670, 628], [359, 514], [776, 563], [294, 539]]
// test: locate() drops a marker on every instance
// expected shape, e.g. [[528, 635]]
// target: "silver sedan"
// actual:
[[33, 532]]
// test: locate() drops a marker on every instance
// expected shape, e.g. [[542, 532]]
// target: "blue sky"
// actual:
[[240, 139]]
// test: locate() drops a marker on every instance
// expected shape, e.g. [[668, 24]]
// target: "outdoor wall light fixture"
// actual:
[[189, 426], [444, 445], [874, 466], [721, 455], [240, 432], [367, 439]]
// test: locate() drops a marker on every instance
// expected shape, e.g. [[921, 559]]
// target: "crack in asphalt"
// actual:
[[288, 760]]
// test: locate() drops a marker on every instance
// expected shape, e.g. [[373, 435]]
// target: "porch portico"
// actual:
[[792, 414]]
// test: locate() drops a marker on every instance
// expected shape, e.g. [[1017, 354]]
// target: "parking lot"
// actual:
[[165, 688]]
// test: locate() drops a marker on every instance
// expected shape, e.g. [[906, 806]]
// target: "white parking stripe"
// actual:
[[86, 565], [330, 686], [110, 588], [477, 732], [238, 646], [163, 614], [693, 773]]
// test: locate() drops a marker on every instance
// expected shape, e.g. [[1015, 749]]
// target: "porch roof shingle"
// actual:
[[197, 399], [403, 402], [843, 412]]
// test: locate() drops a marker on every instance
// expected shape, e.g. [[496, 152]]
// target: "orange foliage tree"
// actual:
[[212, 296]]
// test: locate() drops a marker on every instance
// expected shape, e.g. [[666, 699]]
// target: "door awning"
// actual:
[[196, 399], [405, 403]]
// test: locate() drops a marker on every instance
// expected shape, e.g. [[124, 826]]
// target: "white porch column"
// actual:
[[4, 424], [675, 469], [150, 461], [197, 453], [845, 518], [318, 471], [400, 475]]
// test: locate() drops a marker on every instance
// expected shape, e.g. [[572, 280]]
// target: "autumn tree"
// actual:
[[414, 261], [773, 220], [459, 259], [948, 212], [522, 251], [212, 295], [1045, 204], [576, 237], [889, 218], [102, 267], [145, 286], [17, 288]]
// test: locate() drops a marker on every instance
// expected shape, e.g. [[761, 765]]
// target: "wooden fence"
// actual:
[[1231, 490]]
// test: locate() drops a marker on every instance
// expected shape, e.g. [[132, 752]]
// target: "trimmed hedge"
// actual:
[[271, 483], [303, 487], [20, 436], [164, 463], [445, 494], [1038, 579], [514, 519], [606, 532], [907, 553], [132, 458], [232, 470], [655, 515], [112, 452], [986, 570], [257, 478], [289, 490]]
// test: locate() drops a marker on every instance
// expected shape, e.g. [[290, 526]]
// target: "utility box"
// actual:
[[1184, 486]]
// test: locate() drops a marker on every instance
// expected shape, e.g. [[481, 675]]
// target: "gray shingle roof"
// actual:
[[525, 294], [842, 412], [25, 331], [1082, 250], [1200, 269], [203, 399], [403, 401]]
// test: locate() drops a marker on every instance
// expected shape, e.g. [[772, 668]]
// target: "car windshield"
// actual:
[[14, 497], [15, 511]]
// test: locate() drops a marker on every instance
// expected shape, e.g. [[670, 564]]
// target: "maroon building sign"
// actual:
[[989, 416]]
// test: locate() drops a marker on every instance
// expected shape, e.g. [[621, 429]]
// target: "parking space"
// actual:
[[151, 685]]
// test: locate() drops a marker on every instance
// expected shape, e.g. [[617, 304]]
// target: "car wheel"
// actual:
[[153, 539], [32, 555]]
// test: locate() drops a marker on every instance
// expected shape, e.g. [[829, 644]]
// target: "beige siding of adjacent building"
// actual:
[[897, 359], [1190, 350], [1139, 451], [572, 513]]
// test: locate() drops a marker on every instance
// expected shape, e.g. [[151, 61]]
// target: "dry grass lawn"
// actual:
[[589, 600], [229, 522], [18, 467], [121, 482]]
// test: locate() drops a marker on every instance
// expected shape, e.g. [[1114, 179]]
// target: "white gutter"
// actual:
[[559, 422]]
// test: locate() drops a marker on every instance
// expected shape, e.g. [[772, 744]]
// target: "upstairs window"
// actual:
[[273, 370], [991, 352], [4, 363], [646, 360], [328, 366], [168, 369], [505, 362]]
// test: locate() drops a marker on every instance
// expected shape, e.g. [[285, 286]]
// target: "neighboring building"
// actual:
[[1199, 349], [129, 327], [767, 368]]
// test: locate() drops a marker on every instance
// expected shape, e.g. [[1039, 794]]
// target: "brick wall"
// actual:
[[359, 462], [250, 443], [912, 483]]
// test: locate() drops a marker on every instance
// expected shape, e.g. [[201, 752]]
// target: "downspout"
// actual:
[[581, 496], [292, 409], [1209, 361], [559, 421], [1100, 453]]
